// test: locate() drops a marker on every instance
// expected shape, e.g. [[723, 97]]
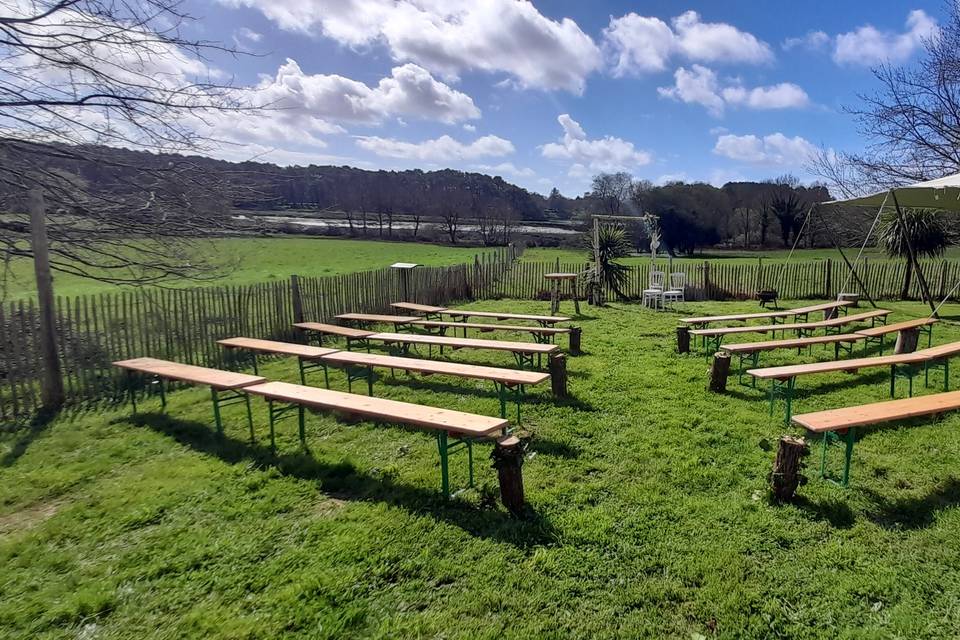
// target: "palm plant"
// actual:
[[611, 243], [927, 235]]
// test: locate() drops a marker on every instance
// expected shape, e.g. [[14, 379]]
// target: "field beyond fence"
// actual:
[[184, 324]]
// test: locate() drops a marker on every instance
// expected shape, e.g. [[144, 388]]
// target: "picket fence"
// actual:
[[184, 324]]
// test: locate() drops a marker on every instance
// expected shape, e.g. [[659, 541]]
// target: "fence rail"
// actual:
[[184, 324]]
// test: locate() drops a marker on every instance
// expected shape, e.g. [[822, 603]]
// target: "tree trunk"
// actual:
[[575, 335], [51, 387], [507, 459], [907, 276], [786, 477], [683, 339], [907, 340], [558, 375], [719, 372]]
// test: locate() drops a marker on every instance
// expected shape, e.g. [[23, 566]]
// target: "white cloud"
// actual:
[[507, 169], [813, 41], [700, 85], [601, 154], [442, 149], [246, 34], [775, 148], [640, 44], [469, 127], [868, 46], [450, 36]]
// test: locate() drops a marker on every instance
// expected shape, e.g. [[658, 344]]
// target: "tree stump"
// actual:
[[907, 340], [683, 339], [558, 375], [719, 372], [575, 334], [786, 477], [850, 297], [507, 459]]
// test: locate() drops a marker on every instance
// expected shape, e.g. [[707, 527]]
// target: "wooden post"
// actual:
[[719, 372], [51, 390], [558, 375], [575, 334], [907, 340], [683, 339], [507, 459], [297, 298], [785, 476], [827, 284]]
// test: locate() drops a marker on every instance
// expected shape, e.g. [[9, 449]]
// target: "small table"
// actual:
[[558, 278]]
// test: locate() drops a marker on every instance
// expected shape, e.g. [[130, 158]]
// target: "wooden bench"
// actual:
[[540, 334], [906, 365], [751, 350], [878, 334], [800, 312], [715, 336], [504, 380], [523, 352], [224, 385], [425, 310], [841, 424], [349, 334], [543, 321], [308, 356], [363, 320], [465, 427]]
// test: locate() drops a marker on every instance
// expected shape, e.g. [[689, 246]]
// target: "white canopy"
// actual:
[[942, 193]]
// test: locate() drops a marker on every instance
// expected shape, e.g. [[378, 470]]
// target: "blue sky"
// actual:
[[548, 94]]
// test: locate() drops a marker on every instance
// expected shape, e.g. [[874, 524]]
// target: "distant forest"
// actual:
[[691, 215]]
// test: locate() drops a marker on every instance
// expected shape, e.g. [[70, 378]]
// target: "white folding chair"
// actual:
[[653, 296], [678, 283]]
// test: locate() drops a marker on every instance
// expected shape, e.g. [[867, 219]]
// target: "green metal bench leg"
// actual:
[[246, 401], [444, 469], [273, 419], [847, 457], [256, 368], [370, 381], [470, 460], [163, 394], [301, 424], [502, 395], [132, 390], [216, 410]]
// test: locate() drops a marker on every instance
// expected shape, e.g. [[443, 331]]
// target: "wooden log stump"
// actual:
[[850, 297], [558, 375], [507, 459], [907, 340], [719, 372], [683, 339], [575, 335], [785, 476]]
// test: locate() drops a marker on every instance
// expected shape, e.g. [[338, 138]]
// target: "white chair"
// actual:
[[678, 283], [653, 296]]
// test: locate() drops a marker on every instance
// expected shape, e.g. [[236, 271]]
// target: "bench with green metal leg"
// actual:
[[349, 334], [445, 423], [525, 353], [224, 385], [308, 356], [877, 335], [749, 352]]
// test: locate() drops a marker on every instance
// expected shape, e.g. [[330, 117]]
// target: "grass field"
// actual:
[[725, 256], [650, 515], [248, 260]]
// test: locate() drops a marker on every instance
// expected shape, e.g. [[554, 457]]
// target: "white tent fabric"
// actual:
[[942, 193]]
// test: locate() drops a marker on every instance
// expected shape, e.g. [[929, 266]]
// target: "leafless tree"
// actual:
[[79, 74], [612, 189]]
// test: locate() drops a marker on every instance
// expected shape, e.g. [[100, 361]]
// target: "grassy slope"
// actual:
[[650, 497], [249, 260], [735, 257]]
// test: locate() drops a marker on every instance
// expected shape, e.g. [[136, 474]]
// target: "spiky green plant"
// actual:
[[613, 244], [927, 234]]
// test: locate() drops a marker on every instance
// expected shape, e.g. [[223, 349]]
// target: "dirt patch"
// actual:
[[28, 517], [325, 507]]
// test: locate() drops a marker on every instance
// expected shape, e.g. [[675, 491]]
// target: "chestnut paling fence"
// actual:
[[184, 324]]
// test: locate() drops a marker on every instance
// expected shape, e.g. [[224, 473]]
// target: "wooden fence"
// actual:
[[184, 324]]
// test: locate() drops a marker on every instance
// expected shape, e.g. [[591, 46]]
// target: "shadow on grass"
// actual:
[[345, 482], [34, 429], [837, 512], [915, 512]]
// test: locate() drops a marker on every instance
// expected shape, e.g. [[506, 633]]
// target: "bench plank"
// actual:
[[821, 324], [874, 332], [878, 412], [793, 370], [548, 331], [465, 343], [376, 318], [333, 329], [783, 313], [467, 313], [305, 351], [789, 343], [435, 418], [424, 309], [216, 378], [505, 376]]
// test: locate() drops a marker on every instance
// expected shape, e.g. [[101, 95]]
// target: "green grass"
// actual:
[[250, 260], [725, 256], [650, 515]]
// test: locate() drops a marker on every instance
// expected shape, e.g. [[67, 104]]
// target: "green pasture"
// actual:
[[252, 260], [649, 515]]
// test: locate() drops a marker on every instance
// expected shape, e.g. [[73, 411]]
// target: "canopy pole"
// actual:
[[796, 241], [853, 271], [876, 220], [925, 291]]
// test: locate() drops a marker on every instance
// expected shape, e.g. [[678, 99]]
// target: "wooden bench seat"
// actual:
[[464, 314], [349, 334], [467, 427], [540, 334], [524, 352], [425, 310], [365, 319], [503, 380], [224, 385], [715, 336], [307, 355], [702, 321], [877, 335], [750, 351], [837, 424]]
